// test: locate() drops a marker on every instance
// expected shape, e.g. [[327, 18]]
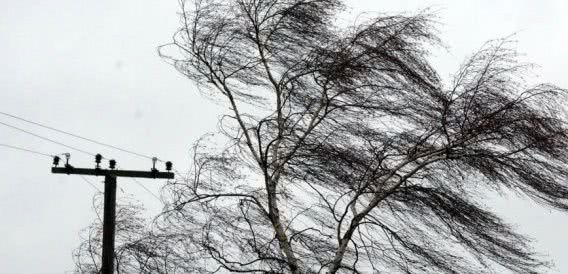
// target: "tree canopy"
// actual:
[[343, 151]]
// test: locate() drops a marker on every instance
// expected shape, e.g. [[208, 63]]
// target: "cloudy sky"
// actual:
[[91, 68]]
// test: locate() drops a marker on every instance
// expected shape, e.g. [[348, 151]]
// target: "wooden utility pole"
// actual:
[[110, 197], [109, 219]]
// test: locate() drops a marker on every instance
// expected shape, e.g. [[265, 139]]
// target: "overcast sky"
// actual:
[[91, 68]]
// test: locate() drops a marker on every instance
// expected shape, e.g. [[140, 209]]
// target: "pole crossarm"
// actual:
[[111, 175], [113, 172]]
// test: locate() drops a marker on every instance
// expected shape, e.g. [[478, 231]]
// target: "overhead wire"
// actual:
[[82, 137], [82, 177], [47, 155], [27, 150], [46, 139], [90, 183], [79, 137], [145, 188], [142, 186], [76, 136]]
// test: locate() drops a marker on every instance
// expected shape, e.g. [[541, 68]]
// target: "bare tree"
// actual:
[[138, 250], [343, 151]]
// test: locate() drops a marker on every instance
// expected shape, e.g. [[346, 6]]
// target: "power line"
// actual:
[[27, 150], [91, 183], [144, 187], [76, 136], [47, 155], [73, 135], [51, 156], [147, 190], [82, 177], [46, 139]]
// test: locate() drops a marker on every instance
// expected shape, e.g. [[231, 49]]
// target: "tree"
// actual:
[[137, 250], [344, 152]]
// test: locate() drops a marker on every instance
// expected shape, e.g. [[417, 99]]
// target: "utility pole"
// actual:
[[110, 175]]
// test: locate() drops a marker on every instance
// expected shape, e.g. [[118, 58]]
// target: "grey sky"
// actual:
[[90, 67]]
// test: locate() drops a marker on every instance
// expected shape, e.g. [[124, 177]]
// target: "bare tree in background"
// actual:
[[137, 250], [343, 152]]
